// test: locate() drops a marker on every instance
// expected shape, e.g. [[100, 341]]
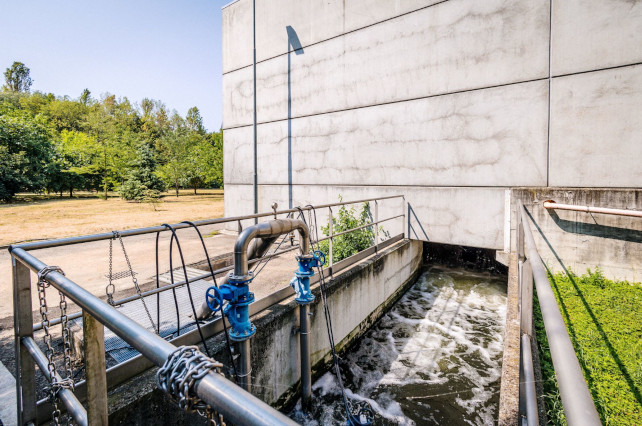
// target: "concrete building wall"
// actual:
[[449, 103]]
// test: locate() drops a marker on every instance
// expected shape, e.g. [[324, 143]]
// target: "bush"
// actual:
[[353, 242]]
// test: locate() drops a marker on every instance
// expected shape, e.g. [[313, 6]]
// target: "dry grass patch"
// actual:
[[40, 217]]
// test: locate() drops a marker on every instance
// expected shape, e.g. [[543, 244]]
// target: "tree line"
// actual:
[[56, 144]]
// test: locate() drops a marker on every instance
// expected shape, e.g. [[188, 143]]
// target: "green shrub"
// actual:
[[353, 242], [604, 321]]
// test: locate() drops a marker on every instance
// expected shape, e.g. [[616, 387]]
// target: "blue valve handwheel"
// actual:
[[214, 299], [320, 256]]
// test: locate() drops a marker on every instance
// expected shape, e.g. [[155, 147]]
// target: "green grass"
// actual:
[[604, 321]]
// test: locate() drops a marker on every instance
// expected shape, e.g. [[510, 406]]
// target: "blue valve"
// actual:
[[301, 281], [237, 292], [214, 299]]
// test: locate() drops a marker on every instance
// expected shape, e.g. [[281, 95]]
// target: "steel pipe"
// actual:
[[532, 416], [270, 229], [552, 205], [244, 367], [579, 407], [304, 344], [232, 402], [74, 407]]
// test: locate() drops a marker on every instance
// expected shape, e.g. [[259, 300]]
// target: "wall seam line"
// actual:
[[457, 92], [340, 35]]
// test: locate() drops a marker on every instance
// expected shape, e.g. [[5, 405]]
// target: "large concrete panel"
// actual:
[[596, 128], [314, 20], [595, 34], [452, 46], [464, 216], [236, 26], [490, 137]]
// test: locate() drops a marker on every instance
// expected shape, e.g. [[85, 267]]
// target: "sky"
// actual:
[[160, 49]]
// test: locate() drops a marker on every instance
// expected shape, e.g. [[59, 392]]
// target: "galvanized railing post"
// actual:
[[519, 237], [94, 344], [23, 327], [376, 219], [330, 234]]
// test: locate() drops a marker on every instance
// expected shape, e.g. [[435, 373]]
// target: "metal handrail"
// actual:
[[74, 407], [578, 404], [552, 205], [228, 399], [36, 245], [224, 396]]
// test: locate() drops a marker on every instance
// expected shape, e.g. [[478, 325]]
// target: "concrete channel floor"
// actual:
[[87, 264]]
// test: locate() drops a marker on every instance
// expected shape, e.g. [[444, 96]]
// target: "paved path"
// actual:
[[87, 264]]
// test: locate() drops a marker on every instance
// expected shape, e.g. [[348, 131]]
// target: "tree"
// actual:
[[85, 97], [17, 78], [141, 181], [175, 147], [194, 121], [25, 151], [202, 167]]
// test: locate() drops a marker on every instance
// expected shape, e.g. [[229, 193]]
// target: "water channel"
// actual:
[[434, 358]]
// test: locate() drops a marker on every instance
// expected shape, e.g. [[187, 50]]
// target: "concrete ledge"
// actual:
[[509, 390]]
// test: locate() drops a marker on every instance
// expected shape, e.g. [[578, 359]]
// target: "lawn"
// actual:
[[604, 321], [34, 217]]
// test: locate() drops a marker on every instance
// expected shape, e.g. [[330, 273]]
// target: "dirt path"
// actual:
[[64, 217]]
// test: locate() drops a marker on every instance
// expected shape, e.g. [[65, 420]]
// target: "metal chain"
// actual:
[[178, 375], [110, 287], [131, 272], [56, 383]]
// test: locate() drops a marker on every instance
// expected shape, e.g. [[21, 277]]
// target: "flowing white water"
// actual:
[[435, 358]]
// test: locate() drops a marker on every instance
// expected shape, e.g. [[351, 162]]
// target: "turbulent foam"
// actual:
[[435, 358]]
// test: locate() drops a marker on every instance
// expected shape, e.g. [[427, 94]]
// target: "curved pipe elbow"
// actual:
[[270, 229]]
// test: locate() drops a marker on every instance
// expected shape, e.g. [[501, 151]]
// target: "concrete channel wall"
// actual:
[[451, 103], [357, 297]]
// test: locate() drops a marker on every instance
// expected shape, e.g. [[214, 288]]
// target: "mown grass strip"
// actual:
[[604, 321]]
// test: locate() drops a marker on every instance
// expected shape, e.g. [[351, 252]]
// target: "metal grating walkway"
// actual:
[[120, 351]]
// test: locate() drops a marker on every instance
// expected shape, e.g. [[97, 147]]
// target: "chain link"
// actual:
[[56, 383], [178, 375], [111, 287]]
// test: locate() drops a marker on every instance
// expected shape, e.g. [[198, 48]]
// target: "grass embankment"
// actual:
[[604, 321], [44, 217]]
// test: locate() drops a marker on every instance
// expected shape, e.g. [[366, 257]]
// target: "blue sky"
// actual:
[[161, 49]]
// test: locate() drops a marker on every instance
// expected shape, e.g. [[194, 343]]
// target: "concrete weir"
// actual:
[[375, 283]]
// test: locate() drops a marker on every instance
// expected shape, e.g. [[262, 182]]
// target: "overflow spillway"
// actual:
[[434, 358]]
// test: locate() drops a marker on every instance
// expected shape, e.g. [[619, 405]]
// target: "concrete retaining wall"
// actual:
[[450, 103], [356, 298]]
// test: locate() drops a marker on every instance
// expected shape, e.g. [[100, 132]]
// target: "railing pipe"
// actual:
[[552, 205], [367, 225], [74, 407], [306, 367], [532, 416], [228, 399], [579, 407], [36, 245]]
